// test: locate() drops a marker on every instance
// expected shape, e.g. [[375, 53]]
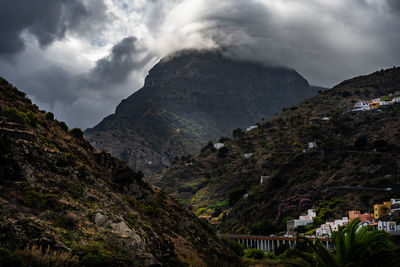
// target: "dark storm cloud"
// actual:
[[124, 58], [326, 41], [395, 4], [47, 20], [82, 99]]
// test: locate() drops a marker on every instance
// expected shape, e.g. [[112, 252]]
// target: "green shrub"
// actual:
[[14, 114], [223, 152], [37, 200], [83, 172], [209, 147], [66, 159], [69, 221], [235, 195], [253, 253], [10, 259], [77, 133], [31, 119], [223, 139], [49, 116], [63, 125], [125, 176], [21, 117], [132, 202], [132, 220], [265, 227], [76, 190], [282, 248], [237, 133], [94, 255], [236, 247]]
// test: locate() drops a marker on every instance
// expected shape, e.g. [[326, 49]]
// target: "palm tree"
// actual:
[[354, 246]]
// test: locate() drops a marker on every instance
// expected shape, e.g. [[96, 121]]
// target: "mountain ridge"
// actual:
[[189, 98]]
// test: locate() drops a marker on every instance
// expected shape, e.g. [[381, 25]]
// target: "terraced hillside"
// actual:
[[353, 149], [86, 207]]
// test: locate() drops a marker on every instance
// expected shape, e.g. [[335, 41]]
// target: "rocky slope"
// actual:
[[353, 149], [87, 207], [189, 98]]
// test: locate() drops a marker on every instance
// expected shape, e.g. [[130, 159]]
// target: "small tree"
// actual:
[[77, 133], [237, 133]]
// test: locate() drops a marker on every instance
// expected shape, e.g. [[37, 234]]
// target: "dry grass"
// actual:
[[37, 256]]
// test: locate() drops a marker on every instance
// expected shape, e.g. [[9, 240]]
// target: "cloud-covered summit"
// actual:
[[79, 58]]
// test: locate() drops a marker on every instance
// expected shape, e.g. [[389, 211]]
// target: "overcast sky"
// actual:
[[80, 58]]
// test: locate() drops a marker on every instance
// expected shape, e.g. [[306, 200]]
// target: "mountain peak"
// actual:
[[190, 97]]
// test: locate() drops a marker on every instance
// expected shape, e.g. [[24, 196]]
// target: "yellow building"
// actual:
[[381, 210]]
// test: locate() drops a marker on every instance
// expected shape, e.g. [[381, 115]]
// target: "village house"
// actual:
[[361, 105], [312, 145], [381, 210], [374, 105], [218, 145], [395, 207], [263, 178], [387, 226], [248, 155], [251, 128], [366, 217], [385, 102], [396, 100], [327, 228], [303, 220]]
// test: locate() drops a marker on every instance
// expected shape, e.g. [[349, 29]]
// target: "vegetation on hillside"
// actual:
[[63, 202], [353, 149]]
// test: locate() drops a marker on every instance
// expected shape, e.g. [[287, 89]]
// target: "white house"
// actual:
[[312, 145], [387, 226], [384, 103], [396, 100], [263, 178], [327, 228], [248, 155], [361, 104], [303, 220], [251, 128], [218, 145], [395, 205]]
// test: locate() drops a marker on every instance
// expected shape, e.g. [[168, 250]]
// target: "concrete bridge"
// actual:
[[270, 243]]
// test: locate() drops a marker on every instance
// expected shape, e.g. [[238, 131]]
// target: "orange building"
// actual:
[[374, 105], [353, 214]]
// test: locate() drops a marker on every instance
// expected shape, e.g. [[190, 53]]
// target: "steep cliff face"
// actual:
[[189, 98], [89, 208]]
